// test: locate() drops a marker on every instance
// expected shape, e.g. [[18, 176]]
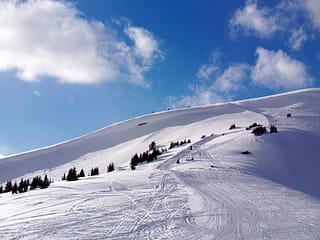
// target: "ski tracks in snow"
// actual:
[[227, 203], [153, 214]]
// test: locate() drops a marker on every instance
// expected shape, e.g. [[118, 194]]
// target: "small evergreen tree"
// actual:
[[45, 183], [26, 184], [8, 187], [81, 174], [21, 187], [72, 174], [110, 167], [1, 189], [134, 161], [152, 146], [273, 129], [14, 189], [233, 126]]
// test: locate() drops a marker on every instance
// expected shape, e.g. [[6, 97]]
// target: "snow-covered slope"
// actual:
[[272, 193]]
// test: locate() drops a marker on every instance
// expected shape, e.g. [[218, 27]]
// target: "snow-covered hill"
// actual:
[[271, 193]]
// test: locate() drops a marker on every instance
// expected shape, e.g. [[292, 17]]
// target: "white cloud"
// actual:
[[216, 88], [206, 71], [51, 38], [273, 70], [278, 70], [209, 70], [313, 6], [145, 44], [297, 38], [252, 19], [232, 78], [290, 17], [200, 96]]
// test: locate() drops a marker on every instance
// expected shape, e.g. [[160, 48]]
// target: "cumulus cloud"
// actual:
[[312, 7], [145, 44], [51, 38], [273, 69], [218, 87], [297, 38], [252, 19], [200, 96], [206, 71], [303, 16], [232, 78], [279, 70], [209, 70]]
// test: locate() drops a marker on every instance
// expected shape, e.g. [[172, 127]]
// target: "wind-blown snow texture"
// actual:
[[272, 193]]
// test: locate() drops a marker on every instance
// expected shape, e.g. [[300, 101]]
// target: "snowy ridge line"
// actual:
[[155, 114], [304, 90]]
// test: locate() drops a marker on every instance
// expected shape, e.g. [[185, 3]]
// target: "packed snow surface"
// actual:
[[215, 192]]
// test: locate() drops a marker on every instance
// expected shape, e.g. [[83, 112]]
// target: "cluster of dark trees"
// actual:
[[233, 126], [177, 143], [25, 185], [37, 182], [260, 130], [73, 175], [94, 171], [147, 156]]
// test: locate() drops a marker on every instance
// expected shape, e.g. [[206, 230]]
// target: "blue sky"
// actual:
[[70, 67]]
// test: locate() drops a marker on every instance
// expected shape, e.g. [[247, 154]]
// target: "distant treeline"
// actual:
[[25, 185]]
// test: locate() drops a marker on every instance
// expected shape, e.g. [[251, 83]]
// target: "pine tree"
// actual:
[[81, 174], [152, 146], [45, 182], [273, 129], [8, 187], [21, 186], [14, 188], [110, 167], [72, 175]]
